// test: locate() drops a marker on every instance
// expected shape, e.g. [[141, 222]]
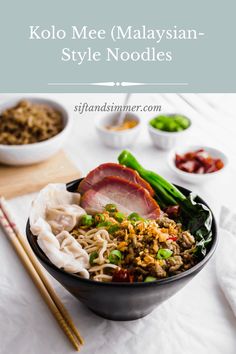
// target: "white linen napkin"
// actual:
[[226, 256]]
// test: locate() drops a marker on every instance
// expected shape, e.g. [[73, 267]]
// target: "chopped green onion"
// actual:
[[149, 279], [86, 220], [111, 208], [113, 228], [134, 217], [104, 224], [164, 253], [170, 123], [119, 216], [182, 121], [92, 257], [115, 256], [99, 217]]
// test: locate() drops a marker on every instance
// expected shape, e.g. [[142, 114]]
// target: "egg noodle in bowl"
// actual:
[[131, 249], [121, 227]]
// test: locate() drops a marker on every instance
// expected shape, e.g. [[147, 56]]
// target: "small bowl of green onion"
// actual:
[[166, 129]]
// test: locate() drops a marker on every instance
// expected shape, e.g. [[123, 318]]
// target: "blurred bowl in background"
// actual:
[[166, 140], [196, 178], [37, 152], [117, 139]]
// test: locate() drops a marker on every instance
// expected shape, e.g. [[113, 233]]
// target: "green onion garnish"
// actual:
[[86, 220], [111, 208], [113, 228], [134, 217], [149, 279], [92, 257], [115, 256], [100, 217], [104, 224], [164, 253], [119, 216]]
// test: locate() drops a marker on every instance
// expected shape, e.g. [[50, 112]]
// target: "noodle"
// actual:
[[102, 277], [139, 248], [97, 241]]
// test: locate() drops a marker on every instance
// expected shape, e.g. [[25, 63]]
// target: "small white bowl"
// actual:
[[166, 140], [196, 178], [117, 139], [33, 153]]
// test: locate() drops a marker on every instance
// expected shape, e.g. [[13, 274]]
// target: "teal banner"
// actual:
[[118, 46]]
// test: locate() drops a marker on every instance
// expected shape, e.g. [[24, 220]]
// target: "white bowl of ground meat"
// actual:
[[32, 130]]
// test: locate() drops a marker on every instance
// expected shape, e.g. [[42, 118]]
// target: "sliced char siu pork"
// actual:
[[112, 169], [127, 196]]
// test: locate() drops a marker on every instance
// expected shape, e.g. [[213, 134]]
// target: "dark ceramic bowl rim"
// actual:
[[44, 258]]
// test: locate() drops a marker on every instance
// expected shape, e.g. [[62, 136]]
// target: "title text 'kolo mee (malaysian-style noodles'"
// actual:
[[114, 230]]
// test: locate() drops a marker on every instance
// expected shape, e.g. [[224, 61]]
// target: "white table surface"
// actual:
[[198, 319]]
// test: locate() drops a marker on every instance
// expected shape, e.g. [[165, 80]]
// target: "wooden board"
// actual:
[[15, 181]]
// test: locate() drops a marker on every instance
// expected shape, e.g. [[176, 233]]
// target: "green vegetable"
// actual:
[[158, 125], [182, 121], [164, 253], [165, 191], [170, 123], [92, 257], [113, 228], [149, 279], [134, 217], [119, 216], [86, 220], [198, 219], [195, 217], [115, 256], [104, 224], [111, 208], [99, 218]]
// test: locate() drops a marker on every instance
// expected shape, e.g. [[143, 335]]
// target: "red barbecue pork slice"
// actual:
[[112, 169], [127, 196]]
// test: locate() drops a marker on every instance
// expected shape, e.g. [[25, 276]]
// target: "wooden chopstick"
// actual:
[[39, 270], [36, 278]]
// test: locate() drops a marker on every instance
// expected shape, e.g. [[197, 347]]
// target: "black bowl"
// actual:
[[121, 301]]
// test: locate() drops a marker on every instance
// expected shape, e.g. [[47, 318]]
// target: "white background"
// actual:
[[196, 320]]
